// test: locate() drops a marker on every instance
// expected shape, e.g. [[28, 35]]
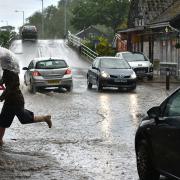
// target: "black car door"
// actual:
[[166, 138]]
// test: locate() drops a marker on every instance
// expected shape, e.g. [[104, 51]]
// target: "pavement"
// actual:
[[157, 78]]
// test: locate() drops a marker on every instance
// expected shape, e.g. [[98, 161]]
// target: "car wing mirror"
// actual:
[[154, 112], [25, 68]]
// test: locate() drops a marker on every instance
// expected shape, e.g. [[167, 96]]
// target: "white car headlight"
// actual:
[[133, 75], [104, 74]]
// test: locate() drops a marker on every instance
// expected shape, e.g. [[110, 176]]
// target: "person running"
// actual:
[[14, 104]]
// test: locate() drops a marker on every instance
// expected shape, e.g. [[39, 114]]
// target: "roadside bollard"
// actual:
[[167, 78]]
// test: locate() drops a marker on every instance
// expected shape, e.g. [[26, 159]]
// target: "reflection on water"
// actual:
[[134, 107], [106, 115]]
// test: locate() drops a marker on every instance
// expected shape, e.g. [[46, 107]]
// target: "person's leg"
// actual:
[[2, 131], [46, 119], [26, 117], [6, 118]]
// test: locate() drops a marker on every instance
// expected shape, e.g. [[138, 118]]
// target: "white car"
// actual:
[[139, 62]]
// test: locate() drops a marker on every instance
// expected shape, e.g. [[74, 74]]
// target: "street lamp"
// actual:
[[42, 18], [22, 14], [65, 18]]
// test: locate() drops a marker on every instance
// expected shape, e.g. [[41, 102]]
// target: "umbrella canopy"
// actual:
[[8, 60]]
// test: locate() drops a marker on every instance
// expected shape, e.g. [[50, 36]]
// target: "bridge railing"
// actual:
[[83, 49]]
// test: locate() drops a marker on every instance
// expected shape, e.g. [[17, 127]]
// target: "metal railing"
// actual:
[[9, 41], [83, 49]]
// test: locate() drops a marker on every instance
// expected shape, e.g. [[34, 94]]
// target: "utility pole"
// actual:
[[65, 18], [42, 19]]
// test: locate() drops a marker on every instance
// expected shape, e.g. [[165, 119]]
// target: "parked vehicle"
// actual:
[[29, 33], [48, 72], [111, 72], [139, 62], [157, 140]]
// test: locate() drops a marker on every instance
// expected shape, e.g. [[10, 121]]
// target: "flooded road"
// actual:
[[92, 137]]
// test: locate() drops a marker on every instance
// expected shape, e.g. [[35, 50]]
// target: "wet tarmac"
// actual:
[[92, 137]]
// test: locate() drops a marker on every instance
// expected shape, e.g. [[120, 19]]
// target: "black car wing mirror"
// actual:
[[154, 112], [25, 68]]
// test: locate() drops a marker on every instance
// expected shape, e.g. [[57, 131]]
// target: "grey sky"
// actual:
[[8, 7]]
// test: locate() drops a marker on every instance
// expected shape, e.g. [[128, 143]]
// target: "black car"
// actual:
[[157, 140], [29, 32], [111, 72]]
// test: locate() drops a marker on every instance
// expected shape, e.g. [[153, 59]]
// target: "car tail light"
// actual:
[[36, 73], [68, 71]]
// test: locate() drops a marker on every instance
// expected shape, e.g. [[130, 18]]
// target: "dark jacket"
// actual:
[[12, 94]]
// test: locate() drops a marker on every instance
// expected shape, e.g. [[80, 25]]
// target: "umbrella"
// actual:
[[8, 60]]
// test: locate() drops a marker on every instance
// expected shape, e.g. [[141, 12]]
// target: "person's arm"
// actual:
[[3, 95]]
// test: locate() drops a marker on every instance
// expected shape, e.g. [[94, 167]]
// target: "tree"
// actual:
[[111, 13]]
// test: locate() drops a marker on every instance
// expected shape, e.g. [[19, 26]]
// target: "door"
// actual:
[[28, 73], [93, 72], [166, 137]]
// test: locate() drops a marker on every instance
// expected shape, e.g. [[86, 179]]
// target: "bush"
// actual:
[[104, 48], [177, 45], [4, 38]]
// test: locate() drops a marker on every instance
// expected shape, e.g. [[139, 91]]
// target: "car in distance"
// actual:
[[139, 62], [48, 72], [29, 32], [157, 140], [110, 71]]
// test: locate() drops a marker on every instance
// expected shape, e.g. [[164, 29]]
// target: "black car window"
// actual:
[[31, 65], [51, 64], [173, 105], [134, 57], [114, 64]]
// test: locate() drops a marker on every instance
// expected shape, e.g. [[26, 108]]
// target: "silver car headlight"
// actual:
[[104, 74], [133, 75]]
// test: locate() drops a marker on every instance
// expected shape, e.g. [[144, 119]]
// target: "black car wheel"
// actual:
[[33, 88], [99, 85], [89, 84], [145, 167]]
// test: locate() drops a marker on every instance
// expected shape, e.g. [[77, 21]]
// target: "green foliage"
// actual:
[[111, 13], [4, 38], [81, 14], [177, 45], [104, 48]]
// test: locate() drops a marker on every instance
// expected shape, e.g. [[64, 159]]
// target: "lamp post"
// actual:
[[42, 18], [65, 18], [22, 14]]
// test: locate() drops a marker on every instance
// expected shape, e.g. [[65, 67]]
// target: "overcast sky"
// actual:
[[8, 7]]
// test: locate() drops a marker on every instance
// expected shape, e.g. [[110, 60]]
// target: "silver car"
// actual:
[[48, 72]]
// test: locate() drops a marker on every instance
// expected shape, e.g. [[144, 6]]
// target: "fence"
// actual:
[[83, 49], [6, 42]]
